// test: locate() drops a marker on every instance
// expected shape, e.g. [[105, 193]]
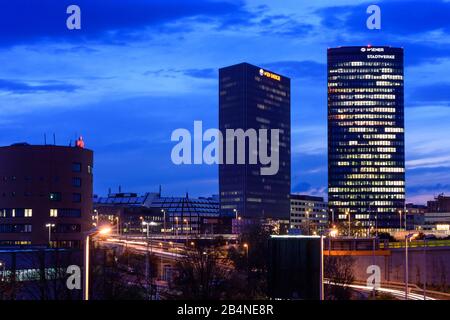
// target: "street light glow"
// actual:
[[104, 230]]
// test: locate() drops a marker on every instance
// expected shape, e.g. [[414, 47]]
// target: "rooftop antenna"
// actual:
[[54, 139], [160, 191], [45, 139], [120, 189], [109, 191]]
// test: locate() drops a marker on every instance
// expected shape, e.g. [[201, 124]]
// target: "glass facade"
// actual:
[[254, 98], [366, 155]]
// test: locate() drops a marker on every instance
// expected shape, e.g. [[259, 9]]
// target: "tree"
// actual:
[[250, 259], [339, 272], [121, 276], [203, 274]]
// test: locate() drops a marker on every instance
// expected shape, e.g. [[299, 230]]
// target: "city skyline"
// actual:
[[123, 85]]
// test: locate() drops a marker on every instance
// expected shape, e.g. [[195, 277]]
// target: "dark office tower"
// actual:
[[254, 98], [366, 155]]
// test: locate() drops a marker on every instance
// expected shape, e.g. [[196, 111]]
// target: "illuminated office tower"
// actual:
[[252, 98], [366, 155]]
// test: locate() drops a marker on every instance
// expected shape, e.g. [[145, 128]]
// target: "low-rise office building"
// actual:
[[308, 213], [171, 215]]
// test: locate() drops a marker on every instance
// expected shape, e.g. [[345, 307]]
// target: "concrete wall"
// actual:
[[434, 263]]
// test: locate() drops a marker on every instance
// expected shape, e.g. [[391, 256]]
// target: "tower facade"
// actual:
[[366, 141]]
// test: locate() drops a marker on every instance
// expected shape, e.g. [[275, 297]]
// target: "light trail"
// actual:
[[396, 293]]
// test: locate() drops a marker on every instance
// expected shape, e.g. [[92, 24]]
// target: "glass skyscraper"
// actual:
[[366, 153], [254, 98]]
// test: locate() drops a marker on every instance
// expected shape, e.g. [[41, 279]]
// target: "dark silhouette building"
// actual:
[[45, 188], [441, 203], [252, 98], [366, 155]]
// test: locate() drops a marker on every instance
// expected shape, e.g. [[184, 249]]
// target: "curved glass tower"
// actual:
[[366, 155]]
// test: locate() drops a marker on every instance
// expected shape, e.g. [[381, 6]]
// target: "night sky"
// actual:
[[140, 69]]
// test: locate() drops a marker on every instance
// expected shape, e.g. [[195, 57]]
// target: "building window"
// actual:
[[76, 182], [90, 169], [69, 213], [76, 167], [55, 196], [54, 213], [28, 213], [76, 197], [68, 228]]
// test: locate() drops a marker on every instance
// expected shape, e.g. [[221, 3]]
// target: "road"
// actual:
[[399, 294]]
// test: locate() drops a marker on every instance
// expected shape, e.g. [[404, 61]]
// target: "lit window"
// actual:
[[28, 213], [54, 213]]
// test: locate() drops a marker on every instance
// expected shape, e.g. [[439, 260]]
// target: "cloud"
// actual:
[[19, 87], [22, 21], [432, 93], [299, 69], [208, 73], [398, 17], [432, 162], [306, 188]]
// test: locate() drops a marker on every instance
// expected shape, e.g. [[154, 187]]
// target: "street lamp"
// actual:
[[408, 238], [400, 225], [176, 226], [308, 211], [187, 225], [164, 220], [89, 235], [118, 225], [49, 226], [347, 213], [246, 250], [147, 264], [161, 261], [3, 266], [236, 213]]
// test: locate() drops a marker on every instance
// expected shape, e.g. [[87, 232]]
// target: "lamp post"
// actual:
[[425, 269], [347, 213], [96, 216], [408, 238], [164, 220], [187, 225], [161, 262], [49, 226], [248, 265], [118, 225], [3, 266], [176, 226], [89, 235], [308, 211], [147, 263], [406, 219], [400, 224]]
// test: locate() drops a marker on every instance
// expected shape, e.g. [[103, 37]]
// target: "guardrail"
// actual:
[[416, 244]]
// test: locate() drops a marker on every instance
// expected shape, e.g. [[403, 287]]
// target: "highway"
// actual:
[[398, 294]]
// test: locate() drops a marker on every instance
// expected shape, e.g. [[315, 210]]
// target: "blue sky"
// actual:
[[138, 69]]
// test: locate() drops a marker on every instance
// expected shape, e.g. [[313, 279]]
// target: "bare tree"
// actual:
[[203, 274], [339, 272]]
